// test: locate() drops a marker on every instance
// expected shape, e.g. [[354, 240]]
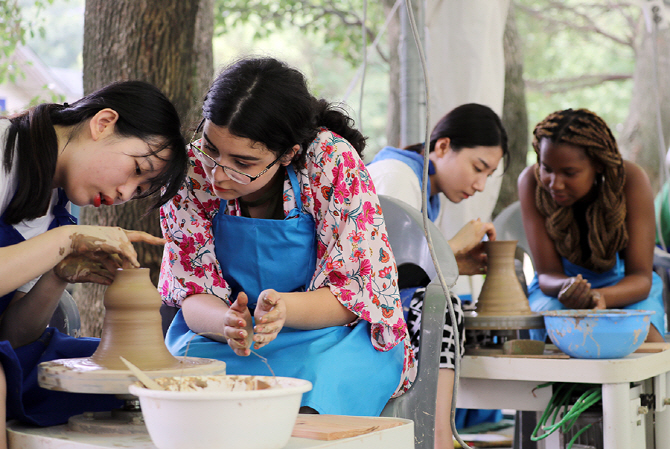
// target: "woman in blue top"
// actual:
[[118, 143], [589, 218], [465, 148]]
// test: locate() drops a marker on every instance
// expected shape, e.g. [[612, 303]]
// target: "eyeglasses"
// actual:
[[209, 161]]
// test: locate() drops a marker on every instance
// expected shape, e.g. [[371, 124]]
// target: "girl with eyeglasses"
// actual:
[[118, 143], [277, 245]]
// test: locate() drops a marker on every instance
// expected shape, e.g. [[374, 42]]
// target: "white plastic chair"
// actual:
[[66, 316], [662, 267], [408, 242], [509, 226]]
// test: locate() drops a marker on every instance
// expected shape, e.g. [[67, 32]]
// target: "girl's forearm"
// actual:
[[29, 313], [629, 290], [552, 283], [204, 314], [315, 309], [304, 310], [27, 260]]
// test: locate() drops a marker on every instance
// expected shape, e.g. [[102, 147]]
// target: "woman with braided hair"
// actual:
[[589, 218]]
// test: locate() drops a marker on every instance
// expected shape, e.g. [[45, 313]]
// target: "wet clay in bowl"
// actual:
[[221, 412]]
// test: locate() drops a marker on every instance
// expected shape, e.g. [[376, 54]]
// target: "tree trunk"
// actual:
[[393, 40], [639, 140], [169, 44], [204, 61], [514, 117]]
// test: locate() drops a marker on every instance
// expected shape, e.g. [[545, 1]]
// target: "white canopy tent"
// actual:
[[464, 53]]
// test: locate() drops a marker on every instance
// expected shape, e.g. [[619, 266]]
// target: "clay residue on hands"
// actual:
[[569, 286], [77, 268], [74, 271], [82, 243], [124, 263], [597, 301], [576, 293]]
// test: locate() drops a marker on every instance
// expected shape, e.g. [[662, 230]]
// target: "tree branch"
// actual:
[[579, 82], [308, 14], [588, 24]]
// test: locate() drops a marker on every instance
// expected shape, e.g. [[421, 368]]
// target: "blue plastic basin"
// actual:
[[597, 334]]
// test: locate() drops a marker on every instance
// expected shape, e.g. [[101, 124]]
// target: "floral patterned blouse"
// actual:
[[354, 258]]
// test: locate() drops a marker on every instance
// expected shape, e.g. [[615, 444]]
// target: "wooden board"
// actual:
[[552, 352], [533, 356], [485, 440], [653, 347], [335, 427]]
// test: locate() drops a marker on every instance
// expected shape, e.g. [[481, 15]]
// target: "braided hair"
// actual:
[[606, 216]]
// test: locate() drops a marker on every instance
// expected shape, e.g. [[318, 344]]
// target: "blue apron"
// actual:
[[26, 400], [415, 162], [349, 376], [540, 302]]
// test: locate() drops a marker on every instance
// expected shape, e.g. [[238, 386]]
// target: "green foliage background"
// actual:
[[329, 76], [555, 52], [21, 20], [324, 39], [61, 37]]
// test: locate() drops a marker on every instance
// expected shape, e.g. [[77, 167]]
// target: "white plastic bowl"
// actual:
[[220, 412]]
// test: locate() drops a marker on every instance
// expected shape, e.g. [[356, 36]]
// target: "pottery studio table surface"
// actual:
[[344, 432], [510, 382]]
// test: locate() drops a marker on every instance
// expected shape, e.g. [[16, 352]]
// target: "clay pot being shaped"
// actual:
[[501, 294], [132, 326]]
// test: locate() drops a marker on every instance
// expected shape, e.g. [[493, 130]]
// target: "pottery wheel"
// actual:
[[490, 322], [131, 329], [82, 375]]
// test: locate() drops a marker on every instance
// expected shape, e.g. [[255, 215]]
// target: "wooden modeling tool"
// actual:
[[146, 380]]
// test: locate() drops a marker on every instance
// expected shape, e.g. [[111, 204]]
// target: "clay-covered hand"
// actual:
[[597, 300], [471, 235], [96, 241], [237, 327], [473, 261], [576, 293], [270, 316], [77, 268]]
